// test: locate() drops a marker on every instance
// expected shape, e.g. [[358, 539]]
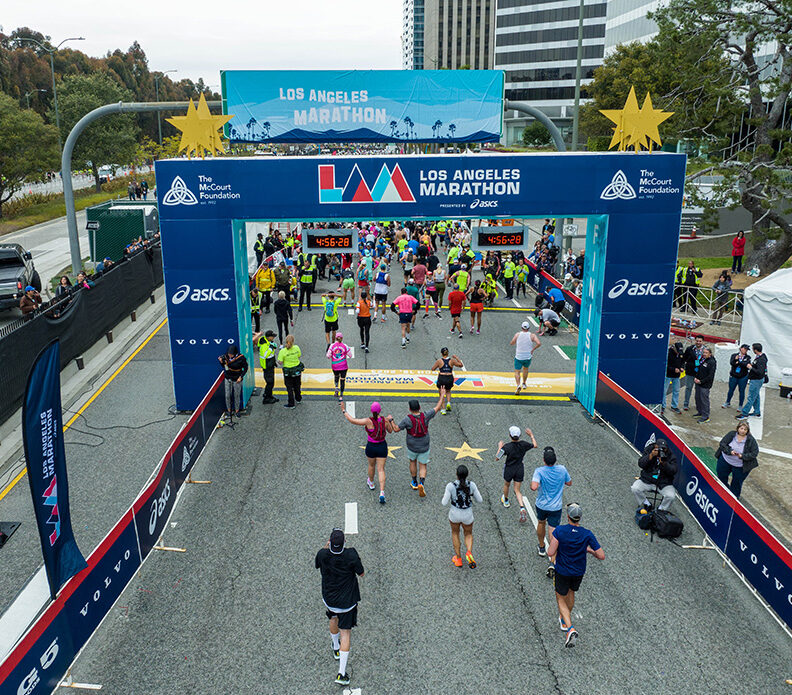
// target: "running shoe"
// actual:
[[414, 484], [541, 550], [457, 560], [404, 344], [421, 490], [561, 624], [425, 316], [505, 501], [382, 498], [519, 388], [726, 405], [336, 654], [471, 330], [523, 515], [438, 314], [571, 638], [370, 483], [460, 335], [366, 348], [550, 572], [703, 420], [478, 332], [336, 392], [342, 678], [443, 411], [451, 331], [471, 562], [448, 408], [363, 346]]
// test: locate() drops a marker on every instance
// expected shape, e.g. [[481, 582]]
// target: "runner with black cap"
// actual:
[[416, 424], [340, 567], [570, 544], [513, 468]]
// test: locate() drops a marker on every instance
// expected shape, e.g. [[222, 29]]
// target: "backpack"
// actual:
[[462, 500], [362, 273], [666, 524], [419, 427], [643, 517], [330, 310]]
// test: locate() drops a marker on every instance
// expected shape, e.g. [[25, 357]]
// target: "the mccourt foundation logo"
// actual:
[[390, 186], [619, 188], [179, 194]]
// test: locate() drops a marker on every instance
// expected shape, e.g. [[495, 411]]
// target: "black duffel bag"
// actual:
[[666, 524]]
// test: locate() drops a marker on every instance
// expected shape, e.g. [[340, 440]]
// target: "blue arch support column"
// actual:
[[634, 202]]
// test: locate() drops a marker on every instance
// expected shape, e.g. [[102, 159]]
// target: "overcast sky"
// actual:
[[199, 38]]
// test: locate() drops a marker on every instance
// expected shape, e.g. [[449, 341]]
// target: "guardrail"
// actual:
[[42, 657], [709, 305], [78, 320], [754, 553]]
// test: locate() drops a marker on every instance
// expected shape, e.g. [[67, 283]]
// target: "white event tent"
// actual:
[[767, 319]]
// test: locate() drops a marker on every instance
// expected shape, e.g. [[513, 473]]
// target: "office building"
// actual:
[[448, 34], [536, 46], [413, 35], [627, 22]]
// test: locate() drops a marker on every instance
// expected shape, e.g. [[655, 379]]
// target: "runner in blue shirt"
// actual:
[[570, 544], [549, 481]]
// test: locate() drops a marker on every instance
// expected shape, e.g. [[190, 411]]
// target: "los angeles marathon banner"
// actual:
[[42, 433], [363, 105]]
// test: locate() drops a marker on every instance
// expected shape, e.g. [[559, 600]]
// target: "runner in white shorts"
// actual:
[[461, 494]]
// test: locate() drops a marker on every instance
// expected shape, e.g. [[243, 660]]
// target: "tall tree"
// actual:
[[109, 140], [754, 38], [28, 147]]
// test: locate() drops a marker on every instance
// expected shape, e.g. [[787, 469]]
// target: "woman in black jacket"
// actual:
[[737, 457]]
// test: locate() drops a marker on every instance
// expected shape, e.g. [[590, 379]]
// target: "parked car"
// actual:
[[16, 273]]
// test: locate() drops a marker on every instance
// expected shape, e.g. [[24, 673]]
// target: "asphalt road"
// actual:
[[240, 611]]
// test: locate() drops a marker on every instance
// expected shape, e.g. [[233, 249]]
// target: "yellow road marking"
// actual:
[[91, 400], [423, 394]]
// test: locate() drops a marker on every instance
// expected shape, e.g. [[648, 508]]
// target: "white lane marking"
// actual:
[[517, 304], [531, 512], [352, 352], [561, 352], [352, 691], [533, 322], [350, 406], [351, 312], [350, 518]]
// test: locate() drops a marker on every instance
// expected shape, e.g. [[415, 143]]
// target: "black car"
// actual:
[[16, 273]]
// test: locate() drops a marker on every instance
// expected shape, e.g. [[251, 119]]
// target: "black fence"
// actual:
[[78, 320]]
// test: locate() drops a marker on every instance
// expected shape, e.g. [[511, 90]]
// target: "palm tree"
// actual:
[[436, 128], [409, 123], [265, 127], [250, 125], [394, 131], [451, 129]]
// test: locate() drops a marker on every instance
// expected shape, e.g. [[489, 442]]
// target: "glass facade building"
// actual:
[[413, 35]]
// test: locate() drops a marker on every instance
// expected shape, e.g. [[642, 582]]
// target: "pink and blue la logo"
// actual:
[[390, 186]]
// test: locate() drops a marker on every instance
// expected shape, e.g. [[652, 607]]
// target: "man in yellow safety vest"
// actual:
[[268, 347]]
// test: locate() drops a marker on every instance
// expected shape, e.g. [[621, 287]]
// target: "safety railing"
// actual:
[[703, 304]]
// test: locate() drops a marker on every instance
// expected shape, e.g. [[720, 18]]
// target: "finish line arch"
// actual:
[[634, 202]]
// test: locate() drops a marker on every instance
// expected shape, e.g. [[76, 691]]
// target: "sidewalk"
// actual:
[[768, 489]]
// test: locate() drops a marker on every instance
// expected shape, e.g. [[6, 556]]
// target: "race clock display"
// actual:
[[496, 238], [328, 241]]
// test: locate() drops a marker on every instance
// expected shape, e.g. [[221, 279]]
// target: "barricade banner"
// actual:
[[187, 447], [45, 455], [541, 281], [153, 507], [752, 549], [763, 561]]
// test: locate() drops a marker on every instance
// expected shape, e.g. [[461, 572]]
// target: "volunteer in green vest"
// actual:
[[267, 345], [689, 278], [453, 252], [255, 308], [306, 284], [330, 303], [508, 277], [290, 360], [258, 247]]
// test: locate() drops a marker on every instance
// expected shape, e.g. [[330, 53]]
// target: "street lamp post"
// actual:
[[51, 52], [157, 78], [578, 71], [32, 91]]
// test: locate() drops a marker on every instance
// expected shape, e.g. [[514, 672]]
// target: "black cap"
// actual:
[[269, 334], [336, 541], [549, 455]]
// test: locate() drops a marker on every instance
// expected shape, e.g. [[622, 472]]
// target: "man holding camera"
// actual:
[[658, 469]]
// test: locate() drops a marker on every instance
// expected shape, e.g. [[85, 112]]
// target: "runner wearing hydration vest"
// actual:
[[416, 424], [338, 353], [330, 305]]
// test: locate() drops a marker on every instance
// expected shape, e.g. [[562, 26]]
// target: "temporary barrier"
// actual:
[[77, 321], [542, 281], [41, 658], [764, 563]]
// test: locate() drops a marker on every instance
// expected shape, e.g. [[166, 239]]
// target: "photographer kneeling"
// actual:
[[658, 468]]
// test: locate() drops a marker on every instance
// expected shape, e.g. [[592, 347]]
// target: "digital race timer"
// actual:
[[330, 241], [493, 238]]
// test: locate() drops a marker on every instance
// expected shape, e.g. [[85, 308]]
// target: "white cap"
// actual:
[[514, 431], [526, 326]]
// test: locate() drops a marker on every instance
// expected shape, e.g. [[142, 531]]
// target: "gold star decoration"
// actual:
[[200, 129], [391, 449], [466, 451], [636, 127]]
